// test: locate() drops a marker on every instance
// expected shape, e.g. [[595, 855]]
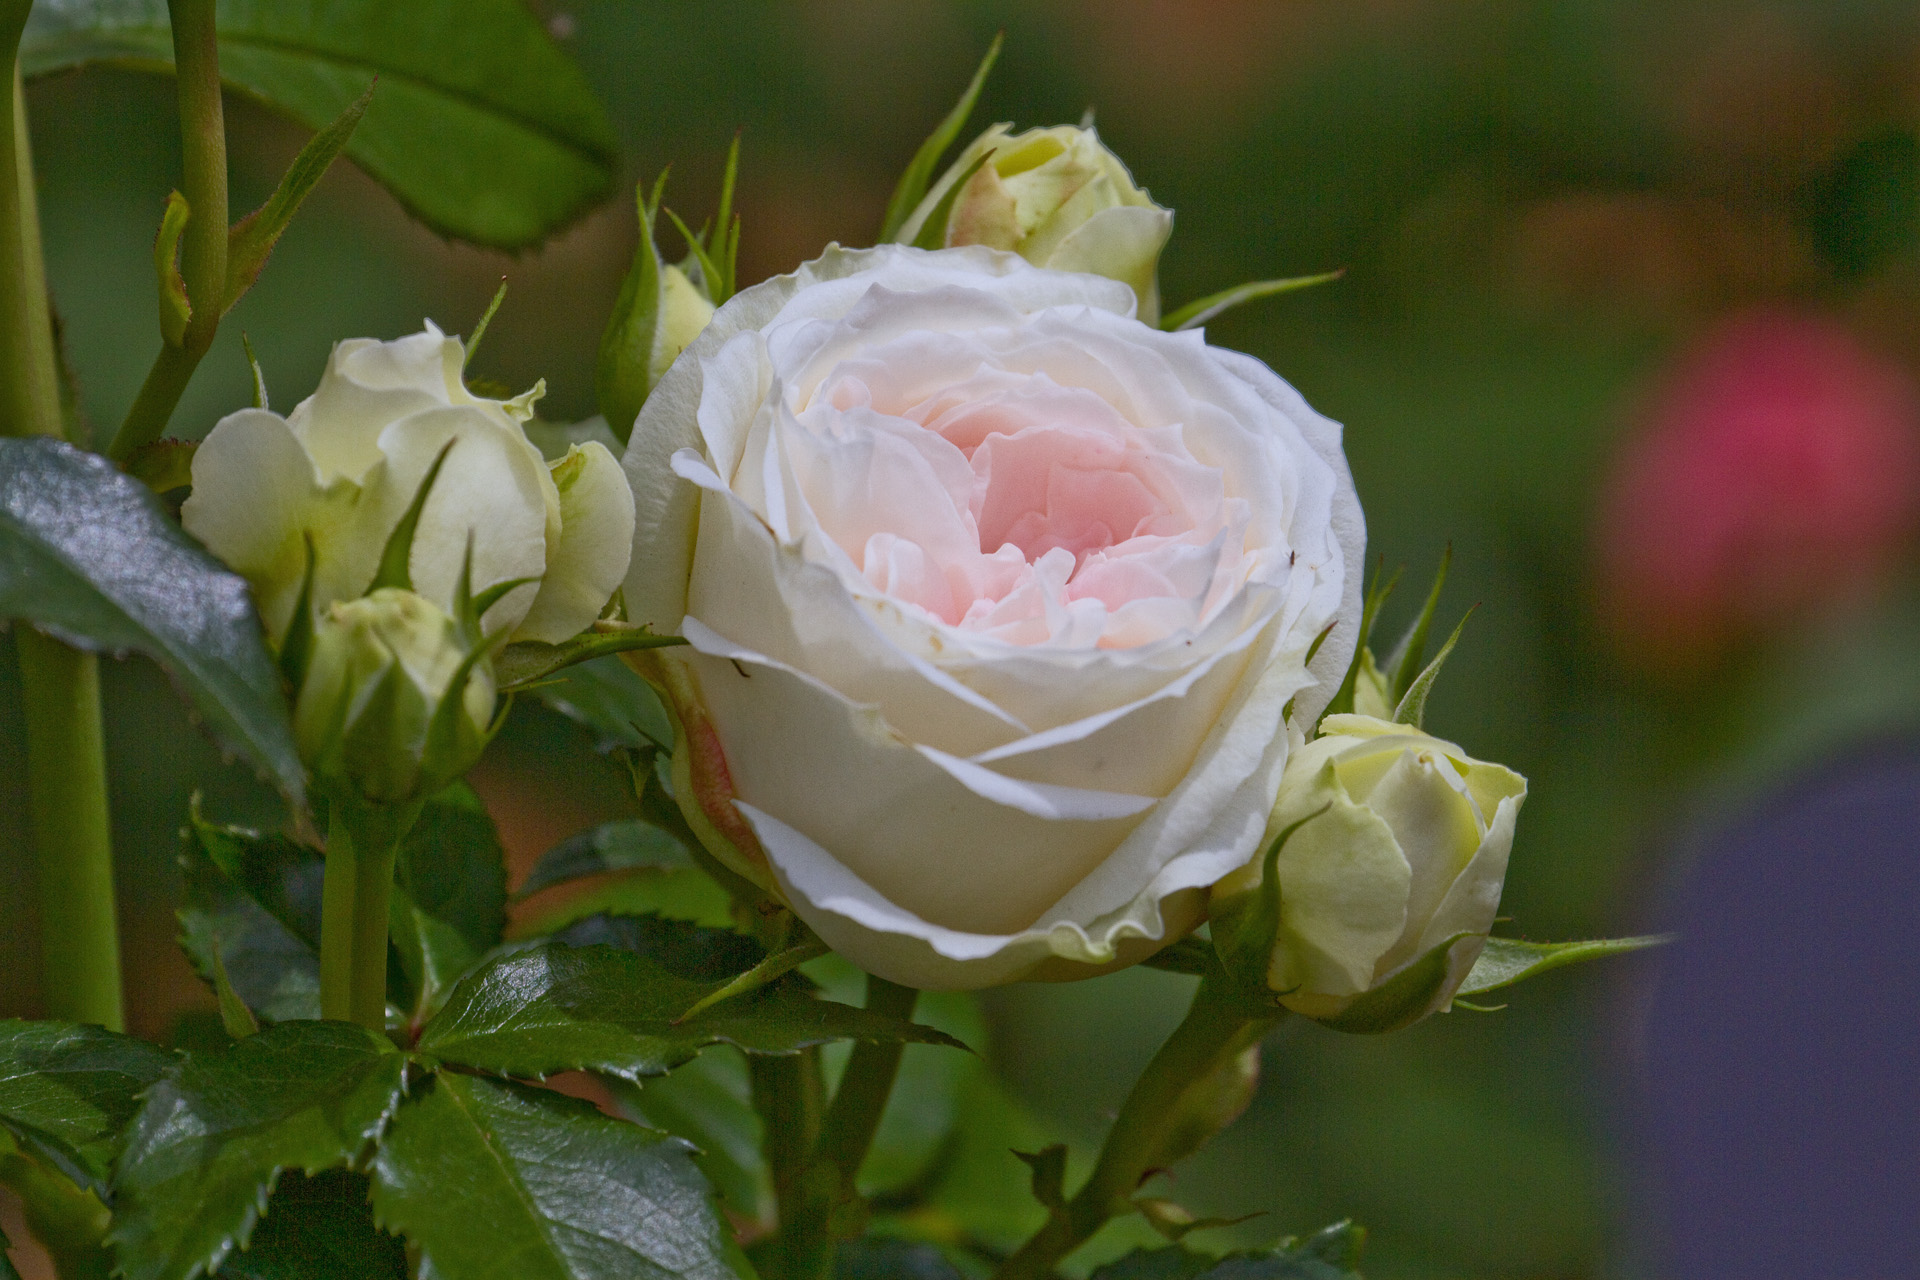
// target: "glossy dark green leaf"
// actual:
[[1505, 961], [686, 893], [212, 1138], [709, 1102], [891, 1260], [318, 1228], [67, 1091], [87, 554], [480, 124], [450, 893], [491, 1179], [600, 1008], [254, 900], [610, 698], [625, 845], [1331, 1254]]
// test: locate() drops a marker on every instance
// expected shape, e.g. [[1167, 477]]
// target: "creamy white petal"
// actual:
[[588, 561]]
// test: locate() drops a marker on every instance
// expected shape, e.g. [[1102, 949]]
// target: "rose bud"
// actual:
[[1056, 197], [395, 702], [342, 468], [1388, 849], [995, 599]]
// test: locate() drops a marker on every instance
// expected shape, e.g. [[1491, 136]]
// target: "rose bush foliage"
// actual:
[[996, 600]]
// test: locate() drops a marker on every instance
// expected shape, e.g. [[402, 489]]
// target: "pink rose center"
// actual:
[[1013, 505]]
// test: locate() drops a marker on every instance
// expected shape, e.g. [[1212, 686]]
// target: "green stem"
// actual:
[[845, 1135], [1216, 1028], [788, 1095], [203, 247], [362, 842], [60, 687]]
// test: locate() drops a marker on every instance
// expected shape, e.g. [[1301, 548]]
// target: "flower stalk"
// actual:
[[362, 842], [60, 686], [1219, 1025], [203, 249]]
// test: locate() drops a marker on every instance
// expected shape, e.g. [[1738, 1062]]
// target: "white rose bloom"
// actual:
[[996, 598], [346, 463]]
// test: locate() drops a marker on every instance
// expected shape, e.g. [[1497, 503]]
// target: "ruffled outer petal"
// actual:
[[947, 809]]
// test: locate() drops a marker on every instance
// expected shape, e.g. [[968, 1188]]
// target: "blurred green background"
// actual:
[[1539, 206]]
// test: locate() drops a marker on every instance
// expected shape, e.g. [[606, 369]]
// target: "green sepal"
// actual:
[[235, 1017], [1176, 1222], [1246, 926], [1332, 1253], [1049, 1167], [1505, 961], [1413, 707], [918, 176], [623, 372], [175, 309], [1189, 955], [1403, 663], [529, 661], [259, 375], [1377, 593], [1401, 1000], [296, 647], [713, 280], [251, 240], [1197, 313], [933, 232], [393, 570], [480, 326]]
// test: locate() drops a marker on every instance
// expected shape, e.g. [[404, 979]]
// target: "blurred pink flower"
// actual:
[[1777, 470]]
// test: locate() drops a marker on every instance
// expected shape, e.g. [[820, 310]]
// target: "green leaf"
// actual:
[[210, 1141], [891, 1260], [253, 901], [1331, 1254], [686, 894], [1505, 961], [610, 698], [1049, 1166], [251, 240], [919, 173], [600, 1008], [1195, 314], [523, 663], [235, 1017], [87, 554], [709, 1102], [625, 845], [67, 1091], [450, 891], [318, 1228], [490, 1179], [481, 126], [1401, 1000]]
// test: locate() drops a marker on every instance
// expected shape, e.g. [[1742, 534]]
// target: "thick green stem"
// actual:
[[203, 247], [845, 1135], [1216, 1028], [60, 688], [362, 842], [788, 1094], [67, 796]]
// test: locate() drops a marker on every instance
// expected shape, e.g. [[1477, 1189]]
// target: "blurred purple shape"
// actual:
[[1780, 1077]]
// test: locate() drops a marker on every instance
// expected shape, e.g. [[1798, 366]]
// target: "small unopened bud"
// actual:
[[395, 702]]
